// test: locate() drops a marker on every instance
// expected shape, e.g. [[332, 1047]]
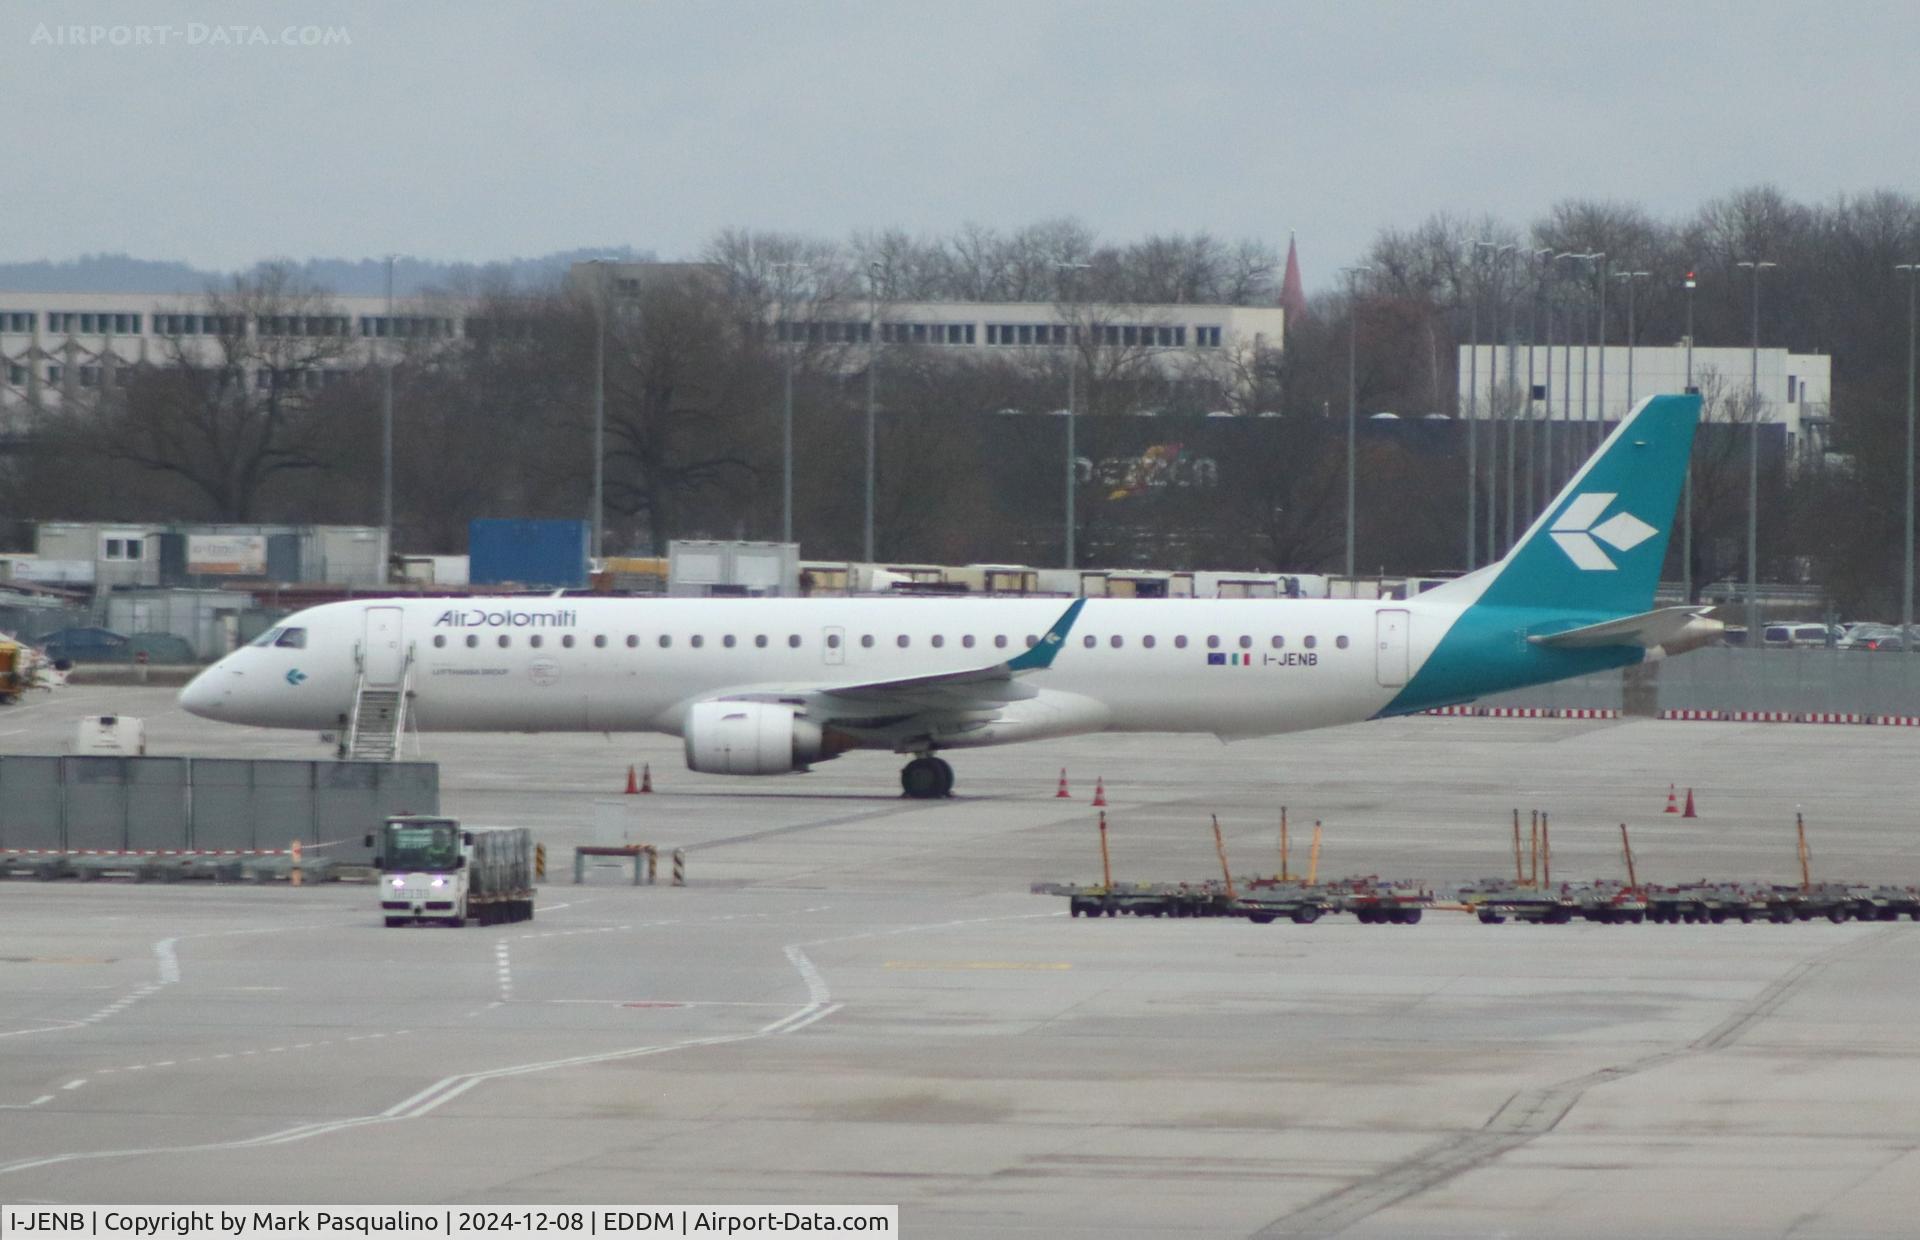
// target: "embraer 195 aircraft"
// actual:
[[769, 686]]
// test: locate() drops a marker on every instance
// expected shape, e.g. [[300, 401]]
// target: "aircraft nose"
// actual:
[[206, 693]]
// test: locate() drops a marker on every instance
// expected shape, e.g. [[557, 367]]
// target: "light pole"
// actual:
[[872, 363], [1906, 563], [386, 441], [1546, 427], [1599, 257], [600, 412], [1753, 468], [1066, 271], [1473, 406], [1627, 278], [1686, 523], [1353, 350], [786, 408], [1533, 338], [1496, 253]]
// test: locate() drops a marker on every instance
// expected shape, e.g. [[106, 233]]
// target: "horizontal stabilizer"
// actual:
[[1670, 629]]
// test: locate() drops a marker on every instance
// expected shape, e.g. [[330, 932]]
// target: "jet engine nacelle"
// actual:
[[751, 738]]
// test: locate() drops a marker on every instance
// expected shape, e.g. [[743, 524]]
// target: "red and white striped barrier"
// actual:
[[1690, 714], [1519, 712], [1897, 721], [1589, 712], [1830, 716], [1763, 716], [1452, 710], [143, 852]]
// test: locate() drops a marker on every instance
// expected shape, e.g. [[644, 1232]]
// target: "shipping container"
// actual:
[[540, 554]]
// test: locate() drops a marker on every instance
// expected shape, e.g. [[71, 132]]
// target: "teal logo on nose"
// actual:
[[295, 675]]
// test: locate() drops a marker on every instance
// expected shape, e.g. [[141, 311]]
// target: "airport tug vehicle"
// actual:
[[434, 871]]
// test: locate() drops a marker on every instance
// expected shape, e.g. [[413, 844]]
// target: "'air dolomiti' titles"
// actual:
[[475, 617]]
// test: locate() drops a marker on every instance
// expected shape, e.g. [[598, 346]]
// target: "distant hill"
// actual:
[[123, 273]]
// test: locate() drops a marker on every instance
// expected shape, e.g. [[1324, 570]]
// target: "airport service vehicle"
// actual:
[[119, 736], [434, 870], [772, 686], [22, 667]]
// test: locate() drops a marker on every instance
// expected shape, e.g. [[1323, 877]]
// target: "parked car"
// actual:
[[1873, 637], [98, 645], [1798, 633], [167, 648], [88, 645]]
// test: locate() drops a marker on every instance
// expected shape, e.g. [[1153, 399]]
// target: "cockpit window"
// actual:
[[292, 639], [266, 638]]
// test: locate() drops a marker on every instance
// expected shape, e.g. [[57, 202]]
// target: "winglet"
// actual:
[[1041, 655]]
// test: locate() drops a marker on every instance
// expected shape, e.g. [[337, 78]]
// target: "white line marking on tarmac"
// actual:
[[503, 970], [445, 1090], [75, 1084]]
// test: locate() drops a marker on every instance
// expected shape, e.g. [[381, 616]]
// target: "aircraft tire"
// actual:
[[920, 778], [946, 777]]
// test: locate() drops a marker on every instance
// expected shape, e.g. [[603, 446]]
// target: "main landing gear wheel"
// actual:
[[925, 778]]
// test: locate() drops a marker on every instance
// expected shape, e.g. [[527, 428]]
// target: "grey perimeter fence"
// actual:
[[1865, 683], [232, 807]]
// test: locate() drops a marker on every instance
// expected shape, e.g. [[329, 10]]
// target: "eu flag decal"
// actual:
[[1216, 660]]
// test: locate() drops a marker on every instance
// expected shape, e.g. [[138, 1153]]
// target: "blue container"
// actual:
[[546, 554]]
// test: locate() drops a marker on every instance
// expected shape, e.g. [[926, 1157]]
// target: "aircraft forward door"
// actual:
[[1390, 647], [382, 656]]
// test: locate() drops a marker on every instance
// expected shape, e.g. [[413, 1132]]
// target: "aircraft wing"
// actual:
[[1671, 629], [958, 692]]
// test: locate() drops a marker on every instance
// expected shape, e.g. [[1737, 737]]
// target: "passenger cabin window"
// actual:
[[903, 641], [967, 641], [1089, 641], [1246, 643], [665, 641], [1116, 641], [599, 641], [1310, 642], [1032, 641], [439, 639], [866, 640], [1340, 642], [291, 639], [727, 641], [999, 641], [1278, 641], [473, 639], [567, 641], [696, 641], [1213, 643], [534, 641], [1180, 642], [1147, 641], [505, 641], [793, 641], [938, 641], [761, 641]]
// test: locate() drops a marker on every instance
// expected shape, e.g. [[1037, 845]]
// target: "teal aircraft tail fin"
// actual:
[[1598, 547]]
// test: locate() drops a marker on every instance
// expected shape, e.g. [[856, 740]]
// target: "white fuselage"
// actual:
[[1230, 667]]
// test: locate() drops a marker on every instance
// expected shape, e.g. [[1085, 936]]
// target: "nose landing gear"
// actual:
[[926, 778]]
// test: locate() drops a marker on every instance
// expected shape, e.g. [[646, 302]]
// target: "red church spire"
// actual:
[[1293, 299]]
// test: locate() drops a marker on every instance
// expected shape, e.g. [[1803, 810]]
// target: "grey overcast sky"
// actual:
[[486, 130]]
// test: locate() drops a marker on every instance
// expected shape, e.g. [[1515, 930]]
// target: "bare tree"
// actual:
[[238, 397]]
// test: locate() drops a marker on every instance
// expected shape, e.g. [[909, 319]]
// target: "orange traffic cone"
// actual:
[[1063, 794], [1689, 810], [633, 783], [1099, 792], [1673, 804]]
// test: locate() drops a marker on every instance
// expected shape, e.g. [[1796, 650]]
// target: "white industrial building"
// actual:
[[1795, 388], [54, 344]]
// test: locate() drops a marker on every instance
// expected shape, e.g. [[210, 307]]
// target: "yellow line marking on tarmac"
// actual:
[[1041, 966]]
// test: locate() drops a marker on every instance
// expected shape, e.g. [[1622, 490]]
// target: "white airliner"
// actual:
[[770, 686]]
